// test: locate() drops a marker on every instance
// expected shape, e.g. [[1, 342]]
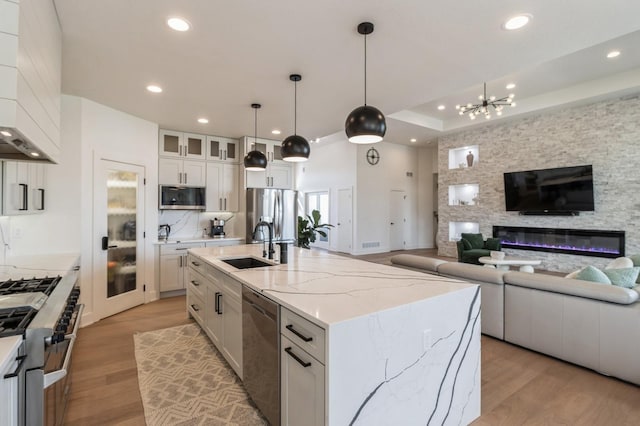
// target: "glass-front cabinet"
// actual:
[[222, 149], [270, 148], [185, 145]]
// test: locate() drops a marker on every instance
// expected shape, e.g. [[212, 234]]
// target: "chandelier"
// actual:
[[485, 107]]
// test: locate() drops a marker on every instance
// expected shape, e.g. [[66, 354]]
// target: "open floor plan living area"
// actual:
[[342, 213]]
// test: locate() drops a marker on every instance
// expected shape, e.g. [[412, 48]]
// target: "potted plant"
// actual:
[[307, 229]]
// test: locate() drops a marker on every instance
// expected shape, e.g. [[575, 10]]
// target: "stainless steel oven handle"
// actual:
[[56, 376]]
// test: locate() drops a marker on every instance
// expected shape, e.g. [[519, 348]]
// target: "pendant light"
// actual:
[[295, 148], [255, 160], [365, 124]]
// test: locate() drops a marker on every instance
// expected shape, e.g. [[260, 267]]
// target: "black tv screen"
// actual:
[[549, 190]]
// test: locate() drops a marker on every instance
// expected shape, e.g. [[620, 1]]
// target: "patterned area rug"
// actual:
[[184, 380]]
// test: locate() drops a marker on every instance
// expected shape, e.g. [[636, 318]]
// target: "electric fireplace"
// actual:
[[598, 243]]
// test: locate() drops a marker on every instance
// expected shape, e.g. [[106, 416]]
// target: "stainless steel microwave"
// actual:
[[181, 197]]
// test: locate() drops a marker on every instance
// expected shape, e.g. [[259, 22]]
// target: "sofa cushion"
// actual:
[[493, 244], [623, 277], [591, 290], [473, 273], [593, 274], [635, 259], [476, 240], [619, 263], [418, 262]]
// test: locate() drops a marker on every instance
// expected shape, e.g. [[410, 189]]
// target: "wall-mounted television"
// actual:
[[560, 190]]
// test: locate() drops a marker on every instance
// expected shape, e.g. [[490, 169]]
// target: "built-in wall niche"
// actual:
[[464, 195], [461, 158], [457, 228]]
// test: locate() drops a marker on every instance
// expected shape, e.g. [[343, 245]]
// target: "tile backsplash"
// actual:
[[192, 224]]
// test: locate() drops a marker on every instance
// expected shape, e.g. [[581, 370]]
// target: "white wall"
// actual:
[[427, 168], [113, 135], [330, 168]]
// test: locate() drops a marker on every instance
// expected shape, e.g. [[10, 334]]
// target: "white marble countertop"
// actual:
[[8, 346], [328, 289], [179, 240], [37, 266]]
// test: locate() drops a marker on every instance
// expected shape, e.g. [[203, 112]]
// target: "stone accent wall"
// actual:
[[605, 134]]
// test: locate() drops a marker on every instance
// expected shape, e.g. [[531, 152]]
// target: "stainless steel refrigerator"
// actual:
[[278, 207]]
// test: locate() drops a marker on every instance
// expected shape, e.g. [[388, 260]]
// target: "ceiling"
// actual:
[[422, 54]]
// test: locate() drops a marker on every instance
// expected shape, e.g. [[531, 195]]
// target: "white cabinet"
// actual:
[[274, 176], [270, 148], [223, 149], [176, 171], [302, 370], [23, 188], [173, 265], [9, 384], [222, 187], [222, 310], [183, 145], [30, 73]]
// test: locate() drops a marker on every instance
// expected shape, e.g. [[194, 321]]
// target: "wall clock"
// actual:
[[373, 156]]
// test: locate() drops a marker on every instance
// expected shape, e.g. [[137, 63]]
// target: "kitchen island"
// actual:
[[395, 346]]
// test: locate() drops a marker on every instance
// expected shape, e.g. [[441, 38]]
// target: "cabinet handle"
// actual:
[[195, 307], [179, 177], [218, 302], [41, 198], [20, 360], [185, 178], [196, 283], [297, 333], [180, 266], [220, 153], [225, 154], [25, 196], [220, 204], [195, 263], [182, 248], [225, 204], [297, 358], [267, 180]]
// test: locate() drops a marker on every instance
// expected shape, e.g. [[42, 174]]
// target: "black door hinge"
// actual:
[[144, 181], [144, 287], [144, 234]]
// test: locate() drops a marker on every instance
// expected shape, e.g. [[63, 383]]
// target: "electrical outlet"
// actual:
[[426, 339]]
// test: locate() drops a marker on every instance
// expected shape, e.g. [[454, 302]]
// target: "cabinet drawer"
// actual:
[[197, 264], [178, 248], [302, 332], [196, 284], [195, 306]]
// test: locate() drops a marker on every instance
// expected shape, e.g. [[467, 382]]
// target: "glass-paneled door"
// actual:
[[119, 225]]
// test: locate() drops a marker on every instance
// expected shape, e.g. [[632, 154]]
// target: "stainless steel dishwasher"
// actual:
[[261, 353]]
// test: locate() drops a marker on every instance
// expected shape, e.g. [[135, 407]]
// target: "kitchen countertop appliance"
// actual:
[[275, 206], [46, 312], [217, 228], [163, 232], [261, 353]]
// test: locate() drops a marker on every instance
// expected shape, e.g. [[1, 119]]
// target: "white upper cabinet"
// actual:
[[175, 171], [23, 188], [223, 149], [183, 145], [30, 73], [222, 187], [270, 148]]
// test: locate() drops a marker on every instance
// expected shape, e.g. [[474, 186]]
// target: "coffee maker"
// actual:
[[217, 228]]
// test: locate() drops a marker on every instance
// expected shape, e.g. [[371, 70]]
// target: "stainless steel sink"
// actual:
[[246, 262]]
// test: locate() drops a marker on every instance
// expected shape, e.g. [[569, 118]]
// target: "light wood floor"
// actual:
[[518, 386]]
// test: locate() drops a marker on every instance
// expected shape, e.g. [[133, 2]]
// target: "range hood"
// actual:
[[14, 146]]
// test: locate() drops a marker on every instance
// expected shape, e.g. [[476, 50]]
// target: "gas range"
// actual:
[[46, 312]]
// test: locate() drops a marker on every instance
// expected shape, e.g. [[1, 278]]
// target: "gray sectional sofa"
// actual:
[[593, 325]]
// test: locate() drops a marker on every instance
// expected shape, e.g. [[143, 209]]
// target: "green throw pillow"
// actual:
[[593, 274], [476, 240], [623, 277], [466, 244], [493, 244], [635, 259]]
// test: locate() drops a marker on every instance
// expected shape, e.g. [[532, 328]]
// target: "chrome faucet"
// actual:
[[268, 225]]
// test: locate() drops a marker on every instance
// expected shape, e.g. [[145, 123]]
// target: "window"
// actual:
[[319, 201]]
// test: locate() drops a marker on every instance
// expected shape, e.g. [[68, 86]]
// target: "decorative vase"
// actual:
[[470, 159]]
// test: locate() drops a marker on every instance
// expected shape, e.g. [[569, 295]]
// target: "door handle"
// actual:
[[20, 359], [105, 243], [218, 302]]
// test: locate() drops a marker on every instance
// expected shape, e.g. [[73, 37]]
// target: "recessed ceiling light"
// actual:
[[203, 120], [5, 133], [275, 132], [35, 154], [511, 86], [178, 24], [441, 107], [613, 54], [517, 22], [153, 88], [413, 140]]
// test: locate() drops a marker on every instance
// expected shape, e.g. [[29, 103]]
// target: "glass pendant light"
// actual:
[[255, 160], [365, 124], [295, 148]]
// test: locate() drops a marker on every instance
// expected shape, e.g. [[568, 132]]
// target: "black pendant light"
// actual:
[[255, 160], [365, 124], [295, 148]]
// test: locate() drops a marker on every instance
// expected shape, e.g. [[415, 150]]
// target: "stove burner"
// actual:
[[15, 321], [44, 285]]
